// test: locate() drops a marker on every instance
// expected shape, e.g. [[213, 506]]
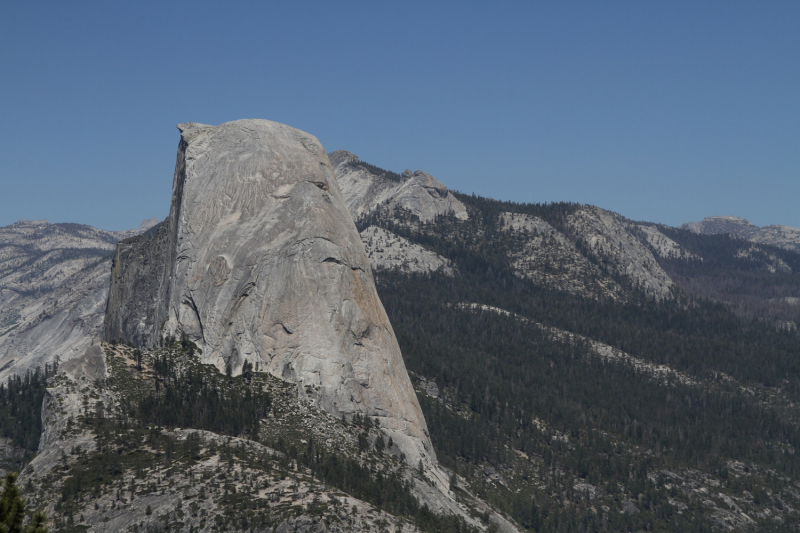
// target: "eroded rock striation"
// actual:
[[259, 261]]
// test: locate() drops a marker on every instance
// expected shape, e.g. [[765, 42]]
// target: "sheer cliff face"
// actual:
[[260, 261]]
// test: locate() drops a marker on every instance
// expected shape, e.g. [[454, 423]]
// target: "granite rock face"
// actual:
[[387, 250], [260, 262], [663, 245], [418, 192], [606, 236], [136, 285], [549, 258]]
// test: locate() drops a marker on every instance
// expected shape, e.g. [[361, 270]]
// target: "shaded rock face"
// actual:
[[260, 261], [417, 192], [136, 284]]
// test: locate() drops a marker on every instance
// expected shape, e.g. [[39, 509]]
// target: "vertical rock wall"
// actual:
[[136, 283]]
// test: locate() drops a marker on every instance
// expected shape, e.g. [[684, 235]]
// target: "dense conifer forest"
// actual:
[[754, 282]]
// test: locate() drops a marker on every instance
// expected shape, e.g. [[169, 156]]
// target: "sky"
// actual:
[[663, 111]]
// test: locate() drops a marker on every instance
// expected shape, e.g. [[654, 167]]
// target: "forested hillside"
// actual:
[[699, 433], [755, 280]]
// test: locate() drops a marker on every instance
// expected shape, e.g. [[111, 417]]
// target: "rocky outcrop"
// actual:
[[605, 235], [149, 223], [387, 250], [768, 261], [364, 188], [184, 490], [720, 224], [547, 257], [776, 235], [260, 262]]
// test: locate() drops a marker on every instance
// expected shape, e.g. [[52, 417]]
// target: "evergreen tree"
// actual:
[[12, 506], [38, 524]]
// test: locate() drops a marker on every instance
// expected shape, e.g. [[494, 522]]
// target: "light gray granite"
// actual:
[[785, 237], [663, 245], [608, 239], [387, 250], [53, 290], [547, 257]]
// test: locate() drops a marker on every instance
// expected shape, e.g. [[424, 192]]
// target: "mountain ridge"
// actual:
[[785, 237], [517, 325]]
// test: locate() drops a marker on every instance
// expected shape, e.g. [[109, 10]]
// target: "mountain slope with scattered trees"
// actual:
[[565, 440]]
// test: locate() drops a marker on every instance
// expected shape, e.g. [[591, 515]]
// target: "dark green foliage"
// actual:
[[119, 450], [21, 409], [385, 490], [719, 252], [697, 336], [507, 371], [555, 213], [203, 400], [12, 510], [12, 506], [187, 394], [38, 524]]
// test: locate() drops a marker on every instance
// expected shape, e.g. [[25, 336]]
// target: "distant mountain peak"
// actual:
[[338, 157], [782, 236], [149, 223], [365, 187], [719, 224], [30, 223]]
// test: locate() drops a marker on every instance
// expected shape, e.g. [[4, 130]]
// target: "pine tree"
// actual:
[[38, 524], [12, 506]]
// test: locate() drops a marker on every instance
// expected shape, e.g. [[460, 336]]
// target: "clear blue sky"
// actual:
[[663, 111]]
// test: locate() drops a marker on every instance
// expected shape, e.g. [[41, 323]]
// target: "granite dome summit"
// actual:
[[259, 261]]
